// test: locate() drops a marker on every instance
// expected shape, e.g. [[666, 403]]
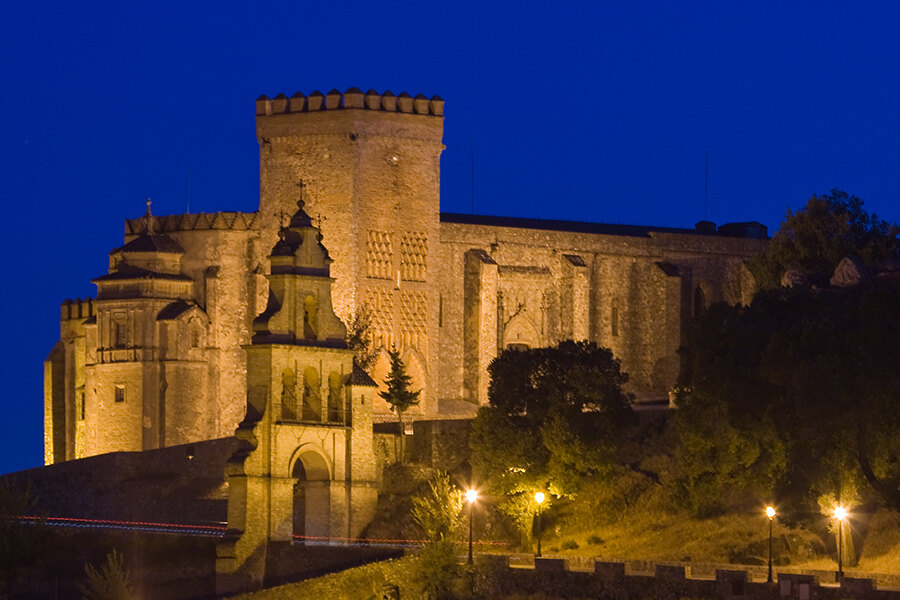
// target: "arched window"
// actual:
[[699, 300], [312, 404], [289, 407], [310, 317], [335, 397]]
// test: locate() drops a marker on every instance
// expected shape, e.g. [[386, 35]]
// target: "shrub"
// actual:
[[570, 545], [110, 582], [437, 570], [594, 540]]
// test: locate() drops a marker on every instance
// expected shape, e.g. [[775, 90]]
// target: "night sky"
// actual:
[[584, 111]]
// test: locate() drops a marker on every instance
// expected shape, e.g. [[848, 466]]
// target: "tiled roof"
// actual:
[[135, 273], [172, 311], [151, 243], [754, 230], [360, 378]]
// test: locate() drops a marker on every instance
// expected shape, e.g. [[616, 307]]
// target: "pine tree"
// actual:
[[398, 394]]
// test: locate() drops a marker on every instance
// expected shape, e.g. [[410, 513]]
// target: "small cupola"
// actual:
[[299, 309]]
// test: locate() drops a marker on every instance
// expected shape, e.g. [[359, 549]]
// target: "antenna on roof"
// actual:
[[472, 170], [706, 188], [189, 174]]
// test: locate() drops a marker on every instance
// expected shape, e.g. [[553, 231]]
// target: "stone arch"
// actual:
[[311, 505], [335, 397], [415, 368], [703, 297], [310, 317], [195, 329], [520, 333], [312, 402], [289, 404]]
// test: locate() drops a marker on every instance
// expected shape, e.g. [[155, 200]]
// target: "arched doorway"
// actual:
[[520, 334], [311, 516]]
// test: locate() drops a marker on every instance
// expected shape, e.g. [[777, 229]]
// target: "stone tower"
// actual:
[[306, 464], [145, 375], [370, 165]]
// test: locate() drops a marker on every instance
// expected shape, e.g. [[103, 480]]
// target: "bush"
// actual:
[[110, 582], [570, 545], [594, 540], [437, 570]]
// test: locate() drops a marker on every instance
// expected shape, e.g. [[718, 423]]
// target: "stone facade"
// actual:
[[159, 357], [305, 465]]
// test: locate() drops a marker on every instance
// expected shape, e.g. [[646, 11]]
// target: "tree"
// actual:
[[359, 338], [437, 511], [554, 420], [398, 394], [110, 582], [816, 238], [794, 395]]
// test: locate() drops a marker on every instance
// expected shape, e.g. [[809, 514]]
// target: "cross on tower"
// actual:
[[300, 185]]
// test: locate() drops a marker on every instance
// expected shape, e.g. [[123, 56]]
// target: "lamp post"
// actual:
[[840, 513], [770, 512], [471, 497], [539, 498]]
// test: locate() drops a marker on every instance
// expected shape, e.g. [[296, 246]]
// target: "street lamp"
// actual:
[[840, 513], [539, 498], [770, 512], [471, 497]]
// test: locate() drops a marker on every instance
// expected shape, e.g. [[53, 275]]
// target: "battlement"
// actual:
[[238, 221], [77, 309], [352, 98]]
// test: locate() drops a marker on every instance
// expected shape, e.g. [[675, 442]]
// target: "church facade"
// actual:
[[160, 356]]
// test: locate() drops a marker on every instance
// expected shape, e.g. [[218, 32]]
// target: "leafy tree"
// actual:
[[816, 238], [359, 338], [554, 420], [794, 394], [398, 394]]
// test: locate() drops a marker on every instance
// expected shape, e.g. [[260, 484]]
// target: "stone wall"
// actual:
[[536, 283], [578, 577], [180, 484]]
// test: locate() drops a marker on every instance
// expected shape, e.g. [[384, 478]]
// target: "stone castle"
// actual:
[[163, 355]]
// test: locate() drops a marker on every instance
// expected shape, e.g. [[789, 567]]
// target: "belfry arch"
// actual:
[[297, 471]]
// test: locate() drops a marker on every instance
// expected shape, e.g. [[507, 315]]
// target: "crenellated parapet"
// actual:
[[353, 98], [238, 221], [77, 309]]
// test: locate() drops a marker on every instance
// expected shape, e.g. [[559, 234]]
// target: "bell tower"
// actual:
[[305, 466]]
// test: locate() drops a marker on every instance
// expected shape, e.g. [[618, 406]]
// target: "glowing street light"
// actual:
[[770, 512], [539, 498], [471, 498], [840, 513]]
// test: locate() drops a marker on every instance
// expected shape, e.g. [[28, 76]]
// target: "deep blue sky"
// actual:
[[586, 111]]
